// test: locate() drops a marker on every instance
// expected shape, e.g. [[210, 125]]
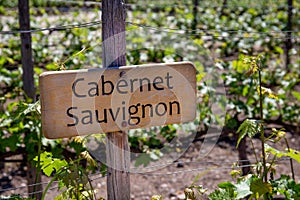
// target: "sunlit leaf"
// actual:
[[243, 187], [296, 95], [294, 154], [266, 91], [259, 188], [222, 194], [48, 164], [249, 127]]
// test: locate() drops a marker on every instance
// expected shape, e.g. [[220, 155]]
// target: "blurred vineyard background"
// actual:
[[215, 35]]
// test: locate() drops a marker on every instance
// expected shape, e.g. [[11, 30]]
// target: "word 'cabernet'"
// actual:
[[122, 86]]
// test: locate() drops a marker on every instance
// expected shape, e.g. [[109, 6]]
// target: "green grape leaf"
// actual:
[[249, 127], [259, 188], [243, 187], [49, 164], [294, 154], [10, 142], [296, 95], [222, 194]]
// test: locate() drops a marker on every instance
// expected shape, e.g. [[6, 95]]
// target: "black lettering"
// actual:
[[74, 88], [148, 83], [104, 120], [123, 110], [157, 109], [120, 85], [114, 117], [144, 110], [88, 117], [131, 84], [168, 77], [72, 116], [104, 84], [171, 108], [158, 80], [94, 91], [133, 112]]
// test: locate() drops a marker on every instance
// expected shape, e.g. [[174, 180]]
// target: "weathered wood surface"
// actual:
[[114, 55], [26, 49], [28, 85], [105, 100]]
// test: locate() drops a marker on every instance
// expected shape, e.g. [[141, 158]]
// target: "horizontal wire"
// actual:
[[57, 28], [56, 187], [44, 183], [154, 167], [150, 167], [165, 29], [188, 162], [204, 162], [164, 4], [190, 32], [206, 168], [77, 2], [159, 174], [191, 170], [30, 185], [41, 191]]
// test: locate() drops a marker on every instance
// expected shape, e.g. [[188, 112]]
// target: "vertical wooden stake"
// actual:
[[114, 54], [28, 85], [224, 6], [195, 12], [26, 49]]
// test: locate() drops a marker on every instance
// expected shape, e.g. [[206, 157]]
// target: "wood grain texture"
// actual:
[[29, 88], [173, 82], [118, 164], [26, 49], [114, 55]]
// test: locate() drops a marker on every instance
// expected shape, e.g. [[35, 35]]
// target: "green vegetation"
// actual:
[[261, 182], [260, 90]]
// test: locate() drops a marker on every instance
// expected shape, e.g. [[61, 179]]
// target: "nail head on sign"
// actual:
[[124, 124]]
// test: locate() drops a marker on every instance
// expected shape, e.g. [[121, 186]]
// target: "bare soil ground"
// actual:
[[169, 181]]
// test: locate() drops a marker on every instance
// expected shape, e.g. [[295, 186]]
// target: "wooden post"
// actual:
[[224, 6], [195, 11], [26, 49], [33, 176], [244, 161], [288, 42], [114, 49]]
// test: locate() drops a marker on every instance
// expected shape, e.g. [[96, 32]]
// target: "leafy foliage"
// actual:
[[239, 190], [230, 32], [49, 164], [287, 187], [259, 188], [258, 185], [294, 154], [225, 192], [71, 175], [249, 128], [15, 197]]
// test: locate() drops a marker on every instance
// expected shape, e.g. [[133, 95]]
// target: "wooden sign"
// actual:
[[81, 102]]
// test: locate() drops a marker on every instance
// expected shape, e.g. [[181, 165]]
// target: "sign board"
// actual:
[[90, 101]]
